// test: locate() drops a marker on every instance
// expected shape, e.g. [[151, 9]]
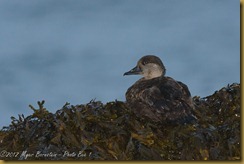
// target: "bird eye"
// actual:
[[144, 63]]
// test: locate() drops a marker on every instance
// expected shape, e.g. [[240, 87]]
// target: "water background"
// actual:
[[74, 51]]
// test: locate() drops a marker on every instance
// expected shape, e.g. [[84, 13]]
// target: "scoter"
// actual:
[[158, 97]]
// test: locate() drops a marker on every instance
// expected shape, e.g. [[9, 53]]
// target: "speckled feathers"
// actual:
[[160, 98]]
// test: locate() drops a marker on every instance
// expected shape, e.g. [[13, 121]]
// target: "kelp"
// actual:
[[97, 131]]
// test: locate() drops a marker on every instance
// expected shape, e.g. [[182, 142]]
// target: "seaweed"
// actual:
[[97, 131]]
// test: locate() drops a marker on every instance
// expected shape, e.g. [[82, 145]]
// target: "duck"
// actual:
[[157, 97]]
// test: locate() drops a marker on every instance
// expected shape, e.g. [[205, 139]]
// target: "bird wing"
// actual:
[[172, 99], [161, 99]]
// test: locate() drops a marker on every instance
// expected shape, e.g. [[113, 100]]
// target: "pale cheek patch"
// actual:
[[152, 71]]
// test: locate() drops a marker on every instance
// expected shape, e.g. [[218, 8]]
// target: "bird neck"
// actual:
[[153, 74]]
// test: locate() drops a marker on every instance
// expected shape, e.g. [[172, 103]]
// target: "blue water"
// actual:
[[74, 51]]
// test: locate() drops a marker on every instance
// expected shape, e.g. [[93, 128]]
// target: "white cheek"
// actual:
[[151, 71], [146, 71], [156, 74]]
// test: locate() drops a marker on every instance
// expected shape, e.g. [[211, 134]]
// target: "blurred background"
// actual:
[[74, 51]]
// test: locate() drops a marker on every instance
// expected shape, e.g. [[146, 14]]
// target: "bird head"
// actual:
[[149, 67]]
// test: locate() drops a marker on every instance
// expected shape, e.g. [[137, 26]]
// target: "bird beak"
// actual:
[[134, 71]]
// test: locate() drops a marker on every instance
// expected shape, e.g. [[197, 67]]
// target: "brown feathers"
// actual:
[[161, 98]]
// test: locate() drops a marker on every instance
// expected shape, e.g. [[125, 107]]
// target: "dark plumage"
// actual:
[[157, 97]]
